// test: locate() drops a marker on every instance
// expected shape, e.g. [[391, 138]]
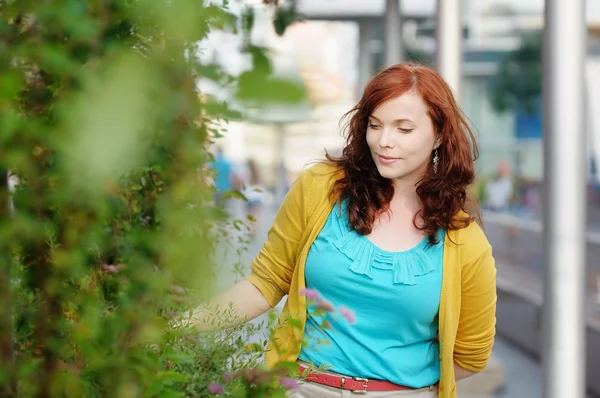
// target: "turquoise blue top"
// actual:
[[395, 298]]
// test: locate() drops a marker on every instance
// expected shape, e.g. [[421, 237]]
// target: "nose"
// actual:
[[385, 139]]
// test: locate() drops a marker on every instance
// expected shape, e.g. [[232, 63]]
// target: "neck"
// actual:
[[405, 192]]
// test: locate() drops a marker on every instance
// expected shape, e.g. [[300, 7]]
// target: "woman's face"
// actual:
[[401, 137]]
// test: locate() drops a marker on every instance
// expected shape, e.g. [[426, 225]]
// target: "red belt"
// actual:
[[354, 384]]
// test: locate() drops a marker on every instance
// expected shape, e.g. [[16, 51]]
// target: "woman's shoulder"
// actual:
[[321, 175], [322, 169], [470, 238]]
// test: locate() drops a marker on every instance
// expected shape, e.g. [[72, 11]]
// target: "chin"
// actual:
[[388, 173]]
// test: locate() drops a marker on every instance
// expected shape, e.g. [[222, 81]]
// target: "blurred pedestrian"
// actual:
[[255, 193], [379, 253], [228, 177], [499, 190], [223, 168]]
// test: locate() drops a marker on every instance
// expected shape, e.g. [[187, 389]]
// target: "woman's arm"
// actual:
[[461, 373], [477, 322], [239, 304], [272, 269]]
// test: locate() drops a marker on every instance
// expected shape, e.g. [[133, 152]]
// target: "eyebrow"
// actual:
[[395, 121]]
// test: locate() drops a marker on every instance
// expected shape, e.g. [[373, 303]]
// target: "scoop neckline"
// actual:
[[419, 245]]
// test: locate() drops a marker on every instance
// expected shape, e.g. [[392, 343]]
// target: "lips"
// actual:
[[386, 159]]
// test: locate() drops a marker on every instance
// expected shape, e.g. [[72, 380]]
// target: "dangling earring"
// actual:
[[436, 161]]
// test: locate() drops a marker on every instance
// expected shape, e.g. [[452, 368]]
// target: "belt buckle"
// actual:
[[365, 387]]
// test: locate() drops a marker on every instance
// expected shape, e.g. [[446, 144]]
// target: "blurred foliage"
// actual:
[[518, 82], [112, 229]]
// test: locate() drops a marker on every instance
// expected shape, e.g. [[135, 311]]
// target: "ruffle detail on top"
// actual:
[[405, 265]]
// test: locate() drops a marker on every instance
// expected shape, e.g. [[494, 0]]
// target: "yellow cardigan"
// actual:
[[467, 315]]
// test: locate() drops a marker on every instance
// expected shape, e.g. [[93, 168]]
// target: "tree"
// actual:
[[112, 228], [518, 82]]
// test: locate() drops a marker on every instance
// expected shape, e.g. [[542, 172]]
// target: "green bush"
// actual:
[[112, 227]]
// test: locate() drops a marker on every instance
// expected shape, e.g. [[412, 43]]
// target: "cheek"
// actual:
[[418, 151], [420, 144], [371, 138]]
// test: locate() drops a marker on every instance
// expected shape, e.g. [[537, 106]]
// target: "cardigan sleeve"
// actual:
[[273, 267], [477, 321]]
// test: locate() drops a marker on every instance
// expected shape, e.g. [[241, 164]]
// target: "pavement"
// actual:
[[510, 374], [518, 250]]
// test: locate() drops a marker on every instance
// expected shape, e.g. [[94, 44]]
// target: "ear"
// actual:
[[438, 142]]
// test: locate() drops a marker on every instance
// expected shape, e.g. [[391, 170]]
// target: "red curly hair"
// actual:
[[443, 195]]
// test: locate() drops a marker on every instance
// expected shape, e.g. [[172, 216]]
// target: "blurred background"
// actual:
[[115, 115], [335, 50]]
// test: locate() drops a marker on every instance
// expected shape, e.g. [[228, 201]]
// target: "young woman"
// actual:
[[384, 231]]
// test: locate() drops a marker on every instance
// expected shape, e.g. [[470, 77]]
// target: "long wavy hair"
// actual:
[[442, 195]]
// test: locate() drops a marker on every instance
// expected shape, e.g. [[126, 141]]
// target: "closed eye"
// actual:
[[373, 126], [406, 130]]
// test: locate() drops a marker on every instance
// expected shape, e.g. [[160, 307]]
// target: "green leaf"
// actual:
[[295, 322]]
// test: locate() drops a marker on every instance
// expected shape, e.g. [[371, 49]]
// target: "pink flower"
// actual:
[[325, 305], [215, 389], [347, 313], [289, 384], [113, 269], [177, 290], [310, 294]]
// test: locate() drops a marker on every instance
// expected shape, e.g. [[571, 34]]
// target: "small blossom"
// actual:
[[325, 305], [113, 269], [215, 389], [310, 294], [347, 313], [289, 384], [177, 290]]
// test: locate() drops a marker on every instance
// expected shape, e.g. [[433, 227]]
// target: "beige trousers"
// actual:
[[310, 389], [314, 390]]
